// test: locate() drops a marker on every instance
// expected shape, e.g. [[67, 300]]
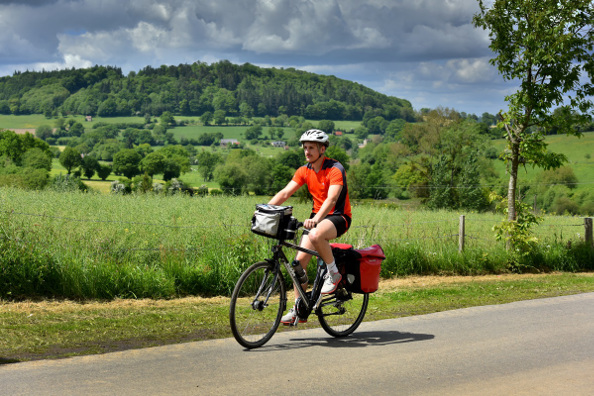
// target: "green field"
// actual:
[[78, 245], [579, 152], [36, 120]]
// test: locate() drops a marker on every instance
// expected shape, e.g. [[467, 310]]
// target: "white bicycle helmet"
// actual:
[[315, 135]]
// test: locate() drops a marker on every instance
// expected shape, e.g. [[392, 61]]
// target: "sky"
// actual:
[[424, 51]]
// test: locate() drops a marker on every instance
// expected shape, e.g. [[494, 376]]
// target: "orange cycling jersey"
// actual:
[[331, 173]]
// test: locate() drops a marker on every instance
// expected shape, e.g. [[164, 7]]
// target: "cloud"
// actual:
[[379, 43]]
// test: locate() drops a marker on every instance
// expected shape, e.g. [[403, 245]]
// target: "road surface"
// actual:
[[538, 347]]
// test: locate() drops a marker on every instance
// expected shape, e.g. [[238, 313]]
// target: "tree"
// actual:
[[207, 162], [339, 155], [103, 171], [76, 129], [545, 45], [206, 118], [171, 169], [231, 177], [246, 110], [219, 117], [36, 158], [153, 163], [253, 132], [44, 131], [126, 162], [70, 158], [394, 128], [167, 119], [326, 126], [89, 165]]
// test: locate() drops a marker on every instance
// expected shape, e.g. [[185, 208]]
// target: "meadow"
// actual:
[[88, 246], [579, 153]]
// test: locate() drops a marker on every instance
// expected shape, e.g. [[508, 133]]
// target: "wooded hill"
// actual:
[[238, 90]]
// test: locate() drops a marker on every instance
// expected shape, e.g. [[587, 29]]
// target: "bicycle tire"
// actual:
[[337, 323], [253, 322]]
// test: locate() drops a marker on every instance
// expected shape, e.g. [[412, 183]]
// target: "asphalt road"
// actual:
[[538, 347]]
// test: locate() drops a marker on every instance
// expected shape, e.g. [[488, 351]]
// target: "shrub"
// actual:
[[565, 205], [202, 191], [34, 179], [65, 183], [587, 208], [38, 159]]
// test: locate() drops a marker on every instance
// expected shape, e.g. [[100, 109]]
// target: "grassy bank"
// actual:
[[87, 246], [32, 330]]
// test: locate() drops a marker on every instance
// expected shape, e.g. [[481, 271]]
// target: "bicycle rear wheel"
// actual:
[[257, 304], [340, 314]]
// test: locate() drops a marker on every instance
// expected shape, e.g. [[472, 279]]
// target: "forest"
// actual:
[[193, 90]]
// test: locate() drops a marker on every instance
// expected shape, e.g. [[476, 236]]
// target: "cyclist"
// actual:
[[331, 215]]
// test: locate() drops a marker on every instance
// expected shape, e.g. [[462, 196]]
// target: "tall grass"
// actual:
[[82, 246]]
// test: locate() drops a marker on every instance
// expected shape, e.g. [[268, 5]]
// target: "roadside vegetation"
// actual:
[[87, 246]]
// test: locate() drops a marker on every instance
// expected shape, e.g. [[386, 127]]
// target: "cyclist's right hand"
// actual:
[[310, 223]]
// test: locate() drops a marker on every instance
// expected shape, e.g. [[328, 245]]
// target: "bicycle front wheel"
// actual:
[[257, 304], [340, 314]]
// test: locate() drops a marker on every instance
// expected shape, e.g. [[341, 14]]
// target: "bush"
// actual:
[[34, 179], [175, 186], [202, 191], [66, 183], [587, 208], [565, 205], [562, 176], [121, 186]]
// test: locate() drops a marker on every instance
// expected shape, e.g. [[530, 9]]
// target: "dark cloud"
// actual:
[[33, 3], [431, 42]]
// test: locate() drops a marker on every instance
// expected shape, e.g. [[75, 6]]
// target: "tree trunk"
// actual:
[[513, 182], [513, 187]]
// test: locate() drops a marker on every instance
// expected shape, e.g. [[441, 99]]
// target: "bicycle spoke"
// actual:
[[339, 317], [256, 305]]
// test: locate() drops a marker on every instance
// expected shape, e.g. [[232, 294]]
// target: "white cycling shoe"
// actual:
[[331, 282]]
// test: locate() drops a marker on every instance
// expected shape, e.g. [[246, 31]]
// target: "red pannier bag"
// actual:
[[360, 268]]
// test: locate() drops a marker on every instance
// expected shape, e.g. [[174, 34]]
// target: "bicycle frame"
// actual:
[[278, 256]]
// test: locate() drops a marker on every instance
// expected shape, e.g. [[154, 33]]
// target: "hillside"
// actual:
[[191, 90]]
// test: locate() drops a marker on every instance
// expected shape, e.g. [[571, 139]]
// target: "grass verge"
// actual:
[[35, 330]]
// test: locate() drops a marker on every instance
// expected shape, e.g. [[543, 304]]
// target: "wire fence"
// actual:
[[463, 231]]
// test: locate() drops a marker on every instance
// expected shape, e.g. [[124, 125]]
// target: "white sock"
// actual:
[[332, 268]]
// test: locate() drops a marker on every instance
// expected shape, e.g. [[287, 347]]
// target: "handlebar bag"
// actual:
[[271, 220], [360, 268]]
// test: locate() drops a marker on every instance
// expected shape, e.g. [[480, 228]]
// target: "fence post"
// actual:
[[588, 233], [461, 231]]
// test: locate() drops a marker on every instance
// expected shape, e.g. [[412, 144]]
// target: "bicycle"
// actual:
[[259, 298]]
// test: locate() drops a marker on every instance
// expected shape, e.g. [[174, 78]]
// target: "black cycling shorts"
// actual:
[[341, 222]]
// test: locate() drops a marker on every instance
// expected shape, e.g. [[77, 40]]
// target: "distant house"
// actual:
[[89, 118], [278, 143], [338, 133], [227, 142]]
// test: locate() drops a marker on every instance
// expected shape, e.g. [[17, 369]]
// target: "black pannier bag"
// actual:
[[360, 268], [274, 221]]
